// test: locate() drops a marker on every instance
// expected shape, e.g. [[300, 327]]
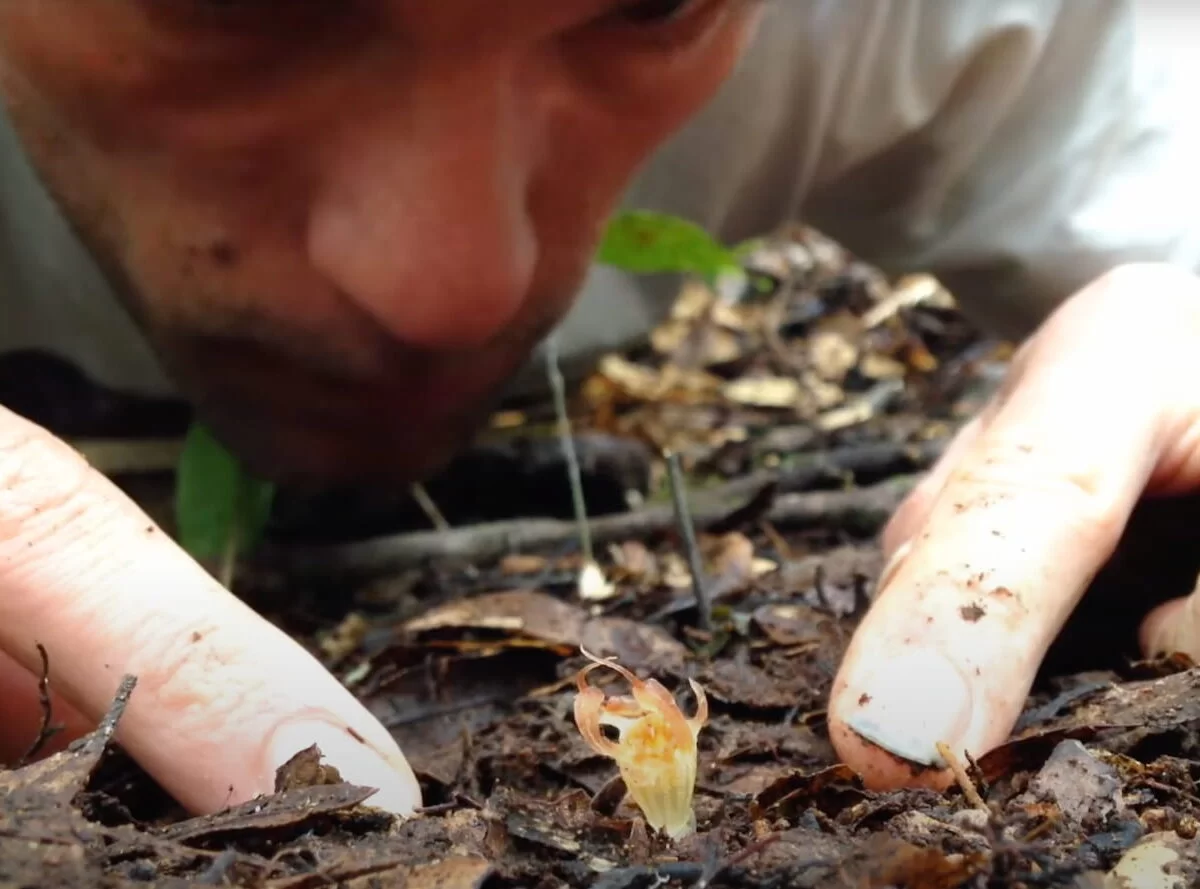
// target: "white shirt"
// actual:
[[1015, 148]]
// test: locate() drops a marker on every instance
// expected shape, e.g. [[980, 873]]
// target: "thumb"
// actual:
[[1020, 522], [1173, 627]]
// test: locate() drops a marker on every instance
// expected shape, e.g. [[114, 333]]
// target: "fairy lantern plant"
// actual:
[[655, 748]]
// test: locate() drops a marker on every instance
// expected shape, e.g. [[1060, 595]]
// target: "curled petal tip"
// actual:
[[698, 720], [589, 706], [611, 663]]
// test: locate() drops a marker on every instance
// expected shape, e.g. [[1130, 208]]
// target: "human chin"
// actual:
[[302, 426], [375, 443]]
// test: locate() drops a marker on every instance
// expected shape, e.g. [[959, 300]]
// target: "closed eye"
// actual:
[[655, 11]]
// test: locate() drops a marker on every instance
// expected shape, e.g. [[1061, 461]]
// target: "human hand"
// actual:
[[223, 697], [993, 550]]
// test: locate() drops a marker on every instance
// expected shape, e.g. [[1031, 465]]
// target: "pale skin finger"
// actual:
[[1028, 512], [914, 510], [1173, 627], [223, 697]]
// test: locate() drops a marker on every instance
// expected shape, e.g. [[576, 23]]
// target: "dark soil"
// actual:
[[466, 644]]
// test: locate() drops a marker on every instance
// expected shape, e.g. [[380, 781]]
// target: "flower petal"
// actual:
[[589, 703], [696, 722], [612, 664]]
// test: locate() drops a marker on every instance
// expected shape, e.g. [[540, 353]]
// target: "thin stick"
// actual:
[[559, 388], [716, 866], [47, 729], [683, 519], [961, 776], [859, 512], [95, 743], [428, 507], [227, 566]]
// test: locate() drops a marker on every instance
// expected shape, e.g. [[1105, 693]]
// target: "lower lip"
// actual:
[[309, 427]]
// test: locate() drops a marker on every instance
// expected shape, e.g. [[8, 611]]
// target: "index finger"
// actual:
[[223, 697], [1032, 510]]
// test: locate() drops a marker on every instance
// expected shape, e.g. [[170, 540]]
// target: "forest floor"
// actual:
[[800, 416]]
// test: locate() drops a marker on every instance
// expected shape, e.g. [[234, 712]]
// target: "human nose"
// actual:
[[421, 215]]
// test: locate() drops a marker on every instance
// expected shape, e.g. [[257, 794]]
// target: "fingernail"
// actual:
[[356, 761], [910, 704]]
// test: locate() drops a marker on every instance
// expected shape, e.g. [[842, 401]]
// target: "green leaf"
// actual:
[[219, 507], [644, 242]]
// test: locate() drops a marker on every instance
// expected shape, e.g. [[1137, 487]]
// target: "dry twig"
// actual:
[[429, 507], [861, 511], [575, 476], [47, 729], [961, 776], [683, 518]]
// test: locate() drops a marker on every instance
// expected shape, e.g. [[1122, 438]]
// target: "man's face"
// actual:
[[345, 223]]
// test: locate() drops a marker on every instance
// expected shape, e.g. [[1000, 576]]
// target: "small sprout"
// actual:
[[656, 747], [593, 585]]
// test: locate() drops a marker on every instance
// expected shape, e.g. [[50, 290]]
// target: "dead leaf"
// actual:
[[924, 831], [534, 614], [737, 682], [830, 790], [305, 769], [458, 872], [642, 648], [647, 384], [768, 392], [833, 348], [633, 561], [1158, 861], [790, 624], [344, 639], [696, 345], [919, 358], [508, 420], [551, 621], [909, 291], [887, 862], [559, 825], [640, 382], [852, 414], [288, 814], [832, 355], [875, 366], [731, 554], [734, 317], [1085, 790], [835, 573], [56, 780], [823, 393], [693, 302], [1137, 710], [1124, 715], [1028, 752], [675, 572], [519, 563], [442, 763], [732, 562]]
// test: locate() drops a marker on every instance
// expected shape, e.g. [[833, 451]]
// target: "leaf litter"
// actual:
[[801, 413]]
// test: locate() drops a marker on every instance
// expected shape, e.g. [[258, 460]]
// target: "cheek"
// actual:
[[165, 217], [629, 102]]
